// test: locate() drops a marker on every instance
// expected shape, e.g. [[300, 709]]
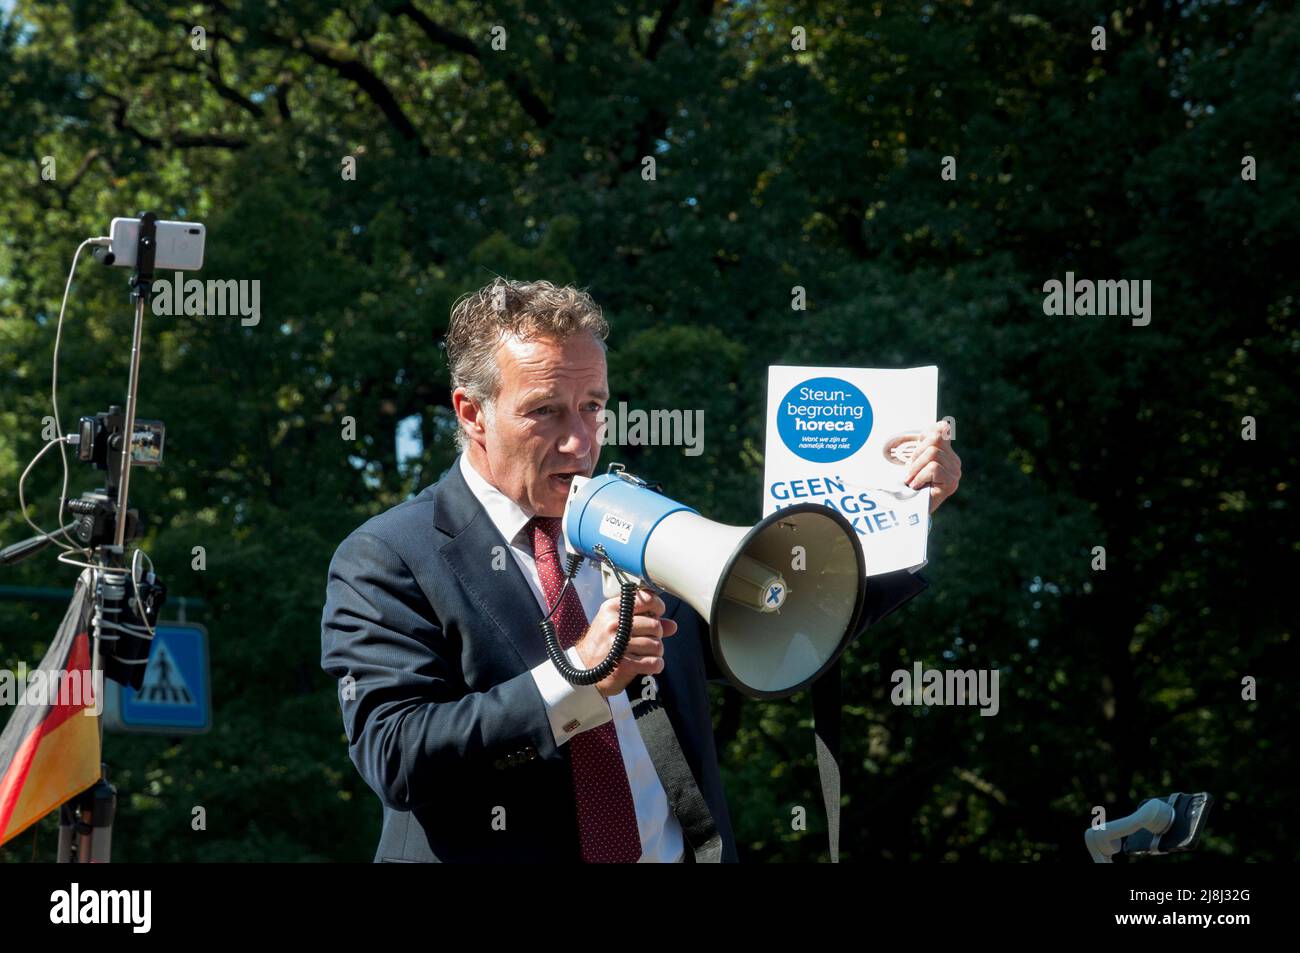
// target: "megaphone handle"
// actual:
[[590, 676]]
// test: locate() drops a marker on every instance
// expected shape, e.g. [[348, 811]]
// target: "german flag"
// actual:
[[49, 751]]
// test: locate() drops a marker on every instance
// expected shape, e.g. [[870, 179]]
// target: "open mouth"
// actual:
[[563, 480]]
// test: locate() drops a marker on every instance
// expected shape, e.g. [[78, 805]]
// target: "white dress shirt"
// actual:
[[577, 708]]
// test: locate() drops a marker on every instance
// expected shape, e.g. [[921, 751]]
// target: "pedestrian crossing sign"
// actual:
[[174, 697]]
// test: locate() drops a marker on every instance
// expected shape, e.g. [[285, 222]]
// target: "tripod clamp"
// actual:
[[145, 256]]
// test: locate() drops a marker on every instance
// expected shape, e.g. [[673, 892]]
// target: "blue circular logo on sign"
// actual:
[[824, 419]]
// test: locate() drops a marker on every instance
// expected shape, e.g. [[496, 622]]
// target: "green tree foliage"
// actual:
[[775, 167]]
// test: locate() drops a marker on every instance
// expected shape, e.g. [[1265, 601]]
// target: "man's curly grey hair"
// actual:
[[481, 320]]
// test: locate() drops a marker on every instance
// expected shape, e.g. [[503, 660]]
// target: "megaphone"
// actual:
[[782, 597]]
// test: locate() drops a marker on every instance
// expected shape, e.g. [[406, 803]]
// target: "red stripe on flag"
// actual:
[[78, 661]]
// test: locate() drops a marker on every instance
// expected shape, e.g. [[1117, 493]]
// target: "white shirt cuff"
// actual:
[[572, 709]]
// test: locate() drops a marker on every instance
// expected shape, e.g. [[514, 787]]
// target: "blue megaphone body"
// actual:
[[782, 598]]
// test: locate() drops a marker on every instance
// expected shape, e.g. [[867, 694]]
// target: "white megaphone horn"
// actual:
[[782, 598]]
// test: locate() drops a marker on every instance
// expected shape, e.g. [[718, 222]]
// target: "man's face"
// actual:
[[545, 423]]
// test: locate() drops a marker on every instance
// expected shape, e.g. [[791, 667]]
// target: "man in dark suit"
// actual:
[[477, 748]]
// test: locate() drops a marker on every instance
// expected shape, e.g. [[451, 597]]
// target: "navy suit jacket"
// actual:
[[433, 648]]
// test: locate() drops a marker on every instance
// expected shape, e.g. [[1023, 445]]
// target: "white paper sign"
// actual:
[[842, 437]]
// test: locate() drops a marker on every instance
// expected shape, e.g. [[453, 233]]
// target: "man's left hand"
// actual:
[[935, 464]]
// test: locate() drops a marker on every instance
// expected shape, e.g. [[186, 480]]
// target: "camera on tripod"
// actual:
[[99, 441], [131, 608]]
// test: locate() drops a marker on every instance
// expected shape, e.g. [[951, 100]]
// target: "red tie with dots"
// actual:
[[607, 822]]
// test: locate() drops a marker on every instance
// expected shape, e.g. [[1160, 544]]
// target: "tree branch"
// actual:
[[282, 95], [660, 32], [176, 140], [90, 157], [519, 86], [226, 92], [351, 68]]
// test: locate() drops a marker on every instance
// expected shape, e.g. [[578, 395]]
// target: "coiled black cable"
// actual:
[[626, 610]]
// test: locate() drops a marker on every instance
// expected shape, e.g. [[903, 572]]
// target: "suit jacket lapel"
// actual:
[[503, 595]]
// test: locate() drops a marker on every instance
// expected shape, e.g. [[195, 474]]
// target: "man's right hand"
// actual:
[[645, 649]]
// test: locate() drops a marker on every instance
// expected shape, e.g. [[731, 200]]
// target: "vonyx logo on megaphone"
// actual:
[[773, 630]]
